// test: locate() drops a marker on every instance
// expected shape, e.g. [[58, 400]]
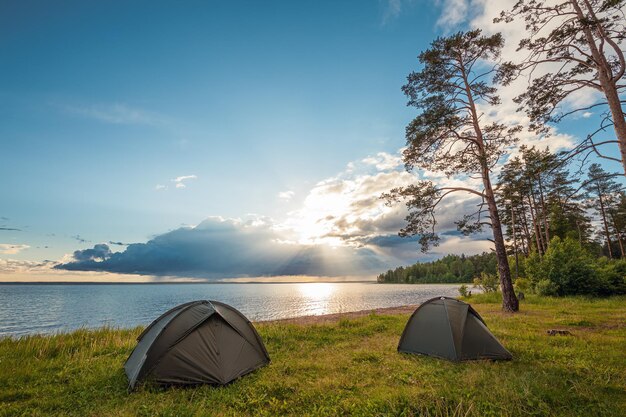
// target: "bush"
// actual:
[[546, 287], [521, 284], [487, 282], [532, 266], [568, 269], [463, 290], [612, 275]]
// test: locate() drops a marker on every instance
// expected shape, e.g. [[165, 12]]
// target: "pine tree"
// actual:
[[601, 190], [450, 135]]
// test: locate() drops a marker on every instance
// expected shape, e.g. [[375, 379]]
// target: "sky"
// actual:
[[218, 139]]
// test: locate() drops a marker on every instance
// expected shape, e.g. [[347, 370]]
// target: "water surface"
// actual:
[[30, 309]]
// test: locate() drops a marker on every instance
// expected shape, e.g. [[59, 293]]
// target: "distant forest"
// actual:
[[449, 269]]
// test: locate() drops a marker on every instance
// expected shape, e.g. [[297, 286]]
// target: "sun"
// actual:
[[314, 223]]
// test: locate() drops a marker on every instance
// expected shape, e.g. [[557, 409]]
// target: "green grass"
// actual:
[[349, 367]]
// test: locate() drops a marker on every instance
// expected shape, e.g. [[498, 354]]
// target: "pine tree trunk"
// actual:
[[525, 226], [619, 123], [544, 213], [618, 235], [509, 299], [537, 218], [606, 226], [514, 241], [537, 233]]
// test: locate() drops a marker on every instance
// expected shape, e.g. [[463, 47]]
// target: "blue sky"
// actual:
[[257, 108]]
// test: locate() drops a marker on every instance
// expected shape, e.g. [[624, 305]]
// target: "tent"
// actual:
[[450, 329], [201, 342]]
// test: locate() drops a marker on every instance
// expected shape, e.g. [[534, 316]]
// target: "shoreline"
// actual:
[[298, 320], [334, 317]]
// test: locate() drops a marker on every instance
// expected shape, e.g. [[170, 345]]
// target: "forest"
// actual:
[[449, 269]]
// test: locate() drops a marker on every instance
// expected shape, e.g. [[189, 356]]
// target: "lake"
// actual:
[[31, 308]]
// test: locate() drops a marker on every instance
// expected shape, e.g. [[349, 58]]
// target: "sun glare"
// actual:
[[315, 222], [316, 297], [316, 291]]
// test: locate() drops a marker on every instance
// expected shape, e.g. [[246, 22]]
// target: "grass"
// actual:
[[349, 367]]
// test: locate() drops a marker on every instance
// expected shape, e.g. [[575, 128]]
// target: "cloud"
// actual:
[[384, 161], [115, 113], [454, 12], [118, 243], [343, 228], [347, 209], [99, 252], [220, 248], [12, 249], [12, 266], [8, 228], [179, 181], [286, 195], [391, 10], [80, 239]]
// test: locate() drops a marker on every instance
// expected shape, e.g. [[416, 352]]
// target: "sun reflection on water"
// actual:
[[317, 296]]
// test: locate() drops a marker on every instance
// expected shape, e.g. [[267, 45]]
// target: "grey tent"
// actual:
[[201, 342], [450, 329]]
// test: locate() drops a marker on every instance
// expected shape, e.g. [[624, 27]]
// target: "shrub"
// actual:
[[566, 265], [522, 284], [546, 287], [464, 291], [612, 275], [487, 282], [532, 266]]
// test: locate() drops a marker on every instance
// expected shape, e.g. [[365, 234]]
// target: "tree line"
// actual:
[[572, 47], [449, 269]]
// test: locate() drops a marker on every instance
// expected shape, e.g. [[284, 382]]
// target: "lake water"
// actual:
[[31, 309]]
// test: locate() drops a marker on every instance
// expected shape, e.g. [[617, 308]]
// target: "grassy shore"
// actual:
[[347, 367]]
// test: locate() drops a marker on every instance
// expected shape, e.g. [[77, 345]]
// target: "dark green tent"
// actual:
[[450, 329], [202, 342]]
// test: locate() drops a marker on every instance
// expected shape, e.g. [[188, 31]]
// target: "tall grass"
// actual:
[[349, 367]]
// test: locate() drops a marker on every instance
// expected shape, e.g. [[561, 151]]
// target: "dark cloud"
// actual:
[[226, 248], [99, 252], [118, 243], [392, 241], [451, 233], [10, 228]]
